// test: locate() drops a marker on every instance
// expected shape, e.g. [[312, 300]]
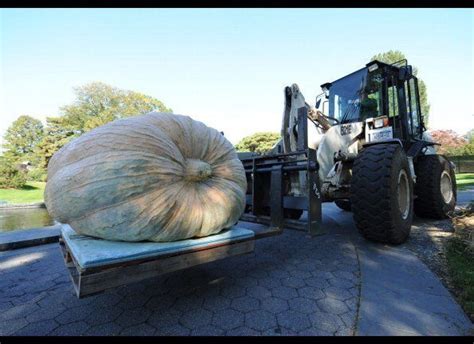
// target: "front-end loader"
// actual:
[[363, 146]]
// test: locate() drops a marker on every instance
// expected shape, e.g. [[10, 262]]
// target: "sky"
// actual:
[[228, 67]]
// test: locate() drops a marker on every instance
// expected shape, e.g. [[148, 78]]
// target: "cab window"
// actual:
[[415, 106], [392, 99], [412, 106]]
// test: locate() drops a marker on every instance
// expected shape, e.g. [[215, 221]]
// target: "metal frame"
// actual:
[[400, 73], [405, 108], [267, 175], [89, 281]]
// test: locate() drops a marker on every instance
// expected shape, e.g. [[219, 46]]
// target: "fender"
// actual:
[[394, 141], [417, 148]]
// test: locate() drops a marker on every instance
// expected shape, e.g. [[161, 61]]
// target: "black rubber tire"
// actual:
[[429, 202], [343, 204], [374, 194]]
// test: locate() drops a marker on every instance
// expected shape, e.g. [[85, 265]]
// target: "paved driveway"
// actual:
[[290, 285]]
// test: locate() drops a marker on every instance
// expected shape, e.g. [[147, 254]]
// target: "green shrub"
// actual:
[[10, 176], [37, 174], [261, 142]]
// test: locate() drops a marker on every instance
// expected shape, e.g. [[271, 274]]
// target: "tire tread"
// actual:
[[371, 195], [428, 201]]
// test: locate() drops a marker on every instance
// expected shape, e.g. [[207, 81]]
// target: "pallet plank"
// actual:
[[88, 281], [121, 275]]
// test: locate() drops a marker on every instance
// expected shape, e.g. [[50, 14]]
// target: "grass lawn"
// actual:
[[32, 192], [464, 180], [461, 268]]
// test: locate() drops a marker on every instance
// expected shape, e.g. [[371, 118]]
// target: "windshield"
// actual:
[[356, 97]]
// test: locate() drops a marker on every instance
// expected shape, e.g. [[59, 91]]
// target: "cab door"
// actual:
[[412, 100]]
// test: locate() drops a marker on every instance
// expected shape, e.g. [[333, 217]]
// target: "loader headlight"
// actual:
[[380, 122]]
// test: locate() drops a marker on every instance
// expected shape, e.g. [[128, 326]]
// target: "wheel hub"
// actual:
[[403, 194], [446, 187]]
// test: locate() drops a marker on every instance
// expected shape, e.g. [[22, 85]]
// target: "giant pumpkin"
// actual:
[[157, 177]]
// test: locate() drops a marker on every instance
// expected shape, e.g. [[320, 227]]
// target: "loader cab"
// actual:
[[380, 91]]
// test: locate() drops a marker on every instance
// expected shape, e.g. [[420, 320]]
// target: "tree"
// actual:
[[56, 135], [467, 149], [259, 142], [98, 103], [95, 104], [449, 140], [470, 136], [10, 175], [393, 56], [22, 138]]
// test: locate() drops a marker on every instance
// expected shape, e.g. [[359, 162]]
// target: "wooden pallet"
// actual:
[[94, 279]]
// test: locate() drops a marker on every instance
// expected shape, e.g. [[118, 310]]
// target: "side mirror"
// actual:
[[402, 73], [318, 102], [405, 73]]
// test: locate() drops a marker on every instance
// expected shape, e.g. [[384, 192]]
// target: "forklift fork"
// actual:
[[267, 175]]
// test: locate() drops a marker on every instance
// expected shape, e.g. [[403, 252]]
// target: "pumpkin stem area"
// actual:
[[197, 170]]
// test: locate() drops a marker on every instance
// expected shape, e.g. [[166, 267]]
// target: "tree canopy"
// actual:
[[22, 137], [450, 141], [260, 142], [95, 104], [470, 136], [467, 149], [98, 103], [56, 135], [393, 56]]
